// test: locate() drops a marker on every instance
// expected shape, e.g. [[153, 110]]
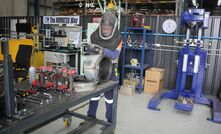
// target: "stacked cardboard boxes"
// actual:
[[127, 90], [129, 87], [153, 80], [134, 82]]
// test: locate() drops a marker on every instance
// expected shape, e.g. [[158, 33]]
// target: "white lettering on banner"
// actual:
[[87, 5], [109, 101], [61, 20], [92, 5]]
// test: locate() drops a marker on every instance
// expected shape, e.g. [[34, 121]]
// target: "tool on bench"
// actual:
[[21, 93], [48, 95], [34, 101], [35, 98]]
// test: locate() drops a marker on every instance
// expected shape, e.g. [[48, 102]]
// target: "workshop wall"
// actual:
[[162, 59], [45, 7], [12, 8]]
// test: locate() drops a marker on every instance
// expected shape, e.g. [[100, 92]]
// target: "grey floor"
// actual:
[[134, 118]]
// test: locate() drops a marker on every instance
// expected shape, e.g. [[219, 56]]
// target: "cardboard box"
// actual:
[[153, 87], [127, 90], [153, 80], [154, 74]]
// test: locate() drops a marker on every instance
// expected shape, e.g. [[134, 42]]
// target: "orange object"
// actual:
[[120, 45]]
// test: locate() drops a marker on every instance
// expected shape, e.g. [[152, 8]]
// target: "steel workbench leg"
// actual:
[[114, 109]]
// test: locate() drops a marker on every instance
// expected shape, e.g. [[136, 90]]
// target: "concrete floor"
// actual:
[[133, 117]]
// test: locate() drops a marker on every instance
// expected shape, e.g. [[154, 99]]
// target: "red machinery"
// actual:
[[58, 78], [137, 20]]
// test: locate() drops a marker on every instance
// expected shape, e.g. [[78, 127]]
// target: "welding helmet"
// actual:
[[107, 27]]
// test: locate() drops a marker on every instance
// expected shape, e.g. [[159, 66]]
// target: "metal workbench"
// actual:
[[58, 107]]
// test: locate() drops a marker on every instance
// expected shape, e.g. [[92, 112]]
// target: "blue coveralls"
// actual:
[[108, 96]]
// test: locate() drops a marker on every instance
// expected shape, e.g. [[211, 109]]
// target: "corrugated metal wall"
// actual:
[[213, 72], [162, 59]]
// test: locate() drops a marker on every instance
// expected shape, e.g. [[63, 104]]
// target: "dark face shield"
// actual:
[[107, 26]]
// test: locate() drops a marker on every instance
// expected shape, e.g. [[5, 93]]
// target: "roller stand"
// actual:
[[216, 110], [154, 102]]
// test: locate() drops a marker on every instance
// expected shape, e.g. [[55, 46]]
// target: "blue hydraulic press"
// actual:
[[191, 65]]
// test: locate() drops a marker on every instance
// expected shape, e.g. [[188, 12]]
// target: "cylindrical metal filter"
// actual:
[[97, 68]]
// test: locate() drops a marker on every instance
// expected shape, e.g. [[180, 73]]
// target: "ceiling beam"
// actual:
[[150, 1]]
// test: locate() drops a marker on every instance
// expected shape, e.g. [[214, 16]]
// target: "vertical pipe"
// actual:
[[10, 106], [177, 7], [195, 73], [124, 55], [194, 86], [99, 3], [45, 7], [126, 15], [119, 15], [196, 64], [28, 7], [188, 34], [37, 8], [184, 72], [52, 7], [185, 61], [114, 106], [13, 6], [201, 3], [199, 34], [126, 7]]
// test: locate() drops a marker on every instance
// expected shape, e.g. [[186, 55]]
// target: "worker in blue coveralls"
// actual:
[[108, 37]]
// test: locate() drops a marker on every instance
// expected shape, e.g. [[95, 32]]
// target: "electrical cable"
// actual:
[[159, 63]]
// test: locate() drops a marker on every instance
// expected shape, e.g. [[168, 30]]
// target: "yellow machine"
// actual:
[[37, 58]]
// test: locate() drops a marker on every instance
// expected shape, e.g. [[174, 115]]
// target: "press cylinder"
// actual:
[[196, 64], [185, 61]]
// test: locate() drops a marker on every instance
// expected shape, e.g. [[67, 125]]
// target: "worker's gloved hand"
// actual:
[[98, 49], [94, 49]]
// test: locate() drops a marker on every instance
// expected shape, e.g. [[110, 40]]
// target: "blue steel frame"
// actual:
[[197, 81], [195, 92], [143, 33]]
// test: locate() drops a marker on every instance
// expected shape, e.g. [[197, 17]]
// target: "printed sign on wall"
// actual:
[[61, 20]]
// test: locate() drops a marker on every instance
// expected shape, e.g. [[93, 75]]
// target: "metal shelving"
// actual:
[[145, 66], [144, 49]]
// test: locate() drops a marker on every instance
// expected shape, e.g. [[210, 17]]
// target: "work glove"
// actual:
[[94, 49]]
